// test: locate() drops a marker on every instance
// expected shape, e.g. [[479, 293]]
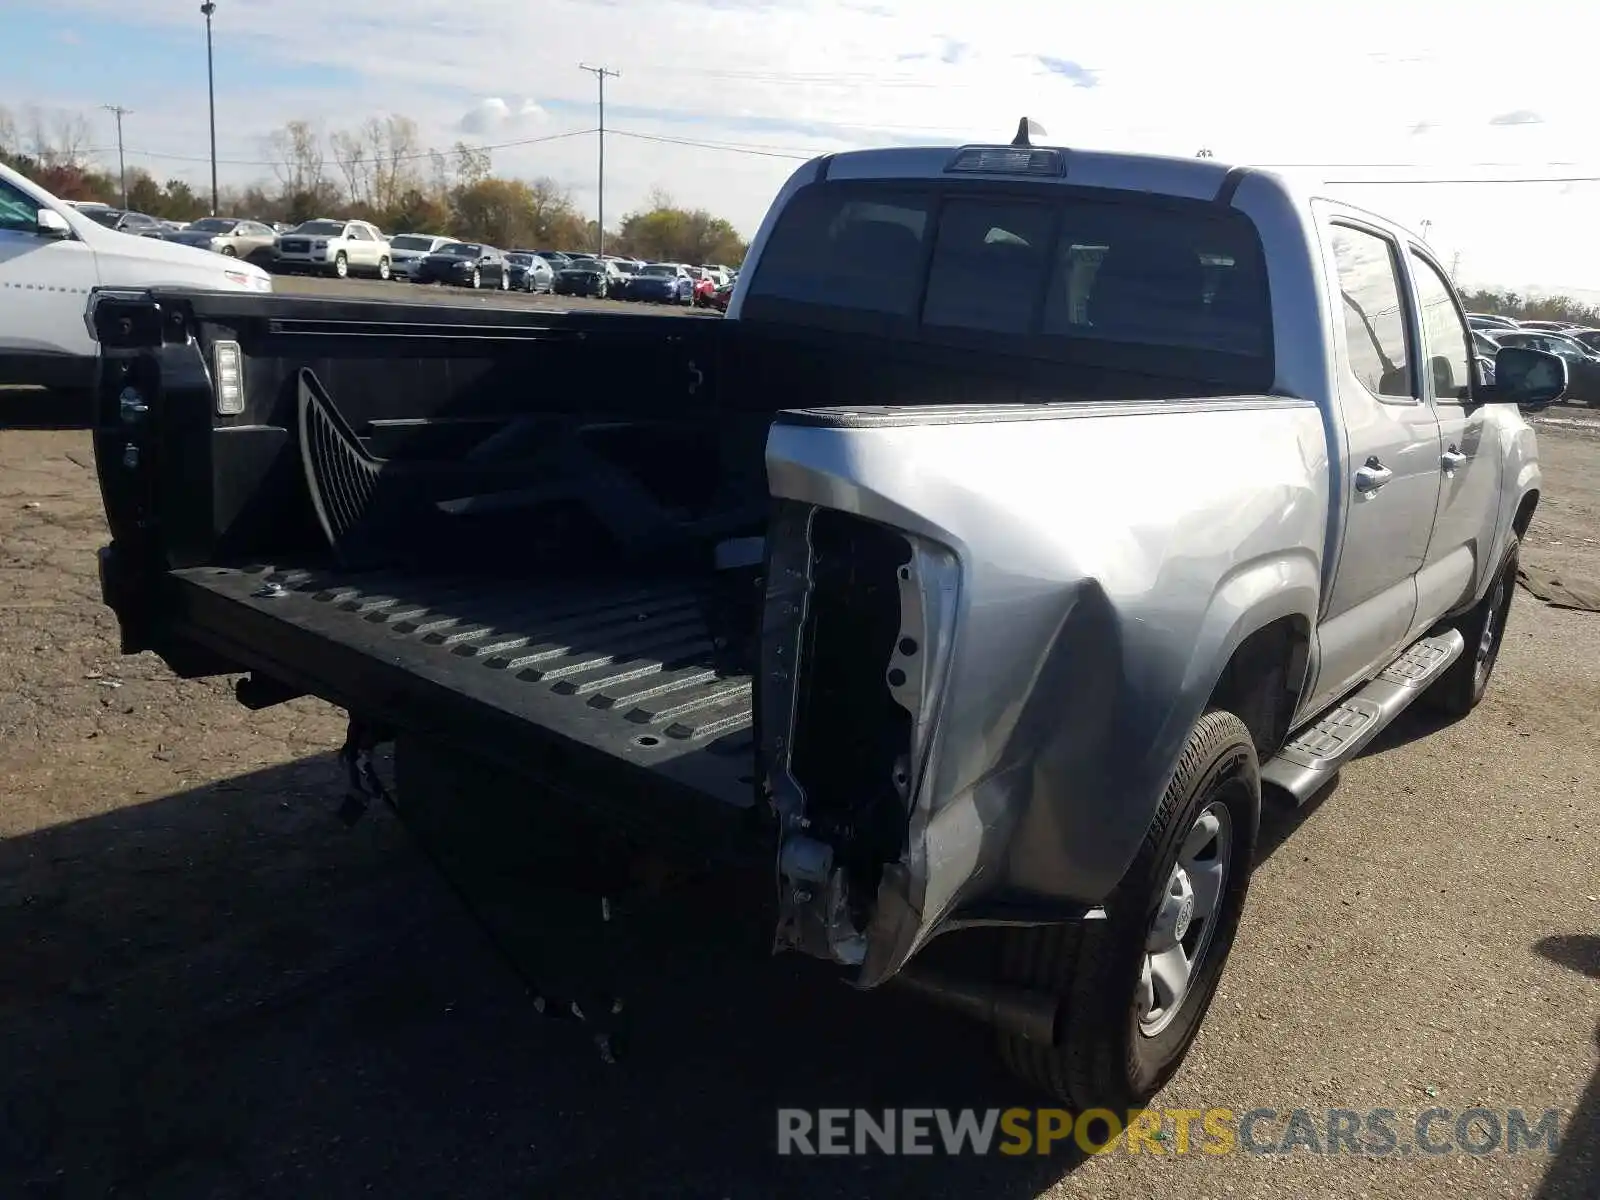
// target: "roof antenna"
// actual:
[[1028, 128]]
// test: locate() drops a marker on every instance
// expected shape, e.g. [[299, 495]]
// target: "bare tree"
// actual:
[[57, 139], [394, 146], [350, 152], [8, 132], [472, 164], [297, 156]]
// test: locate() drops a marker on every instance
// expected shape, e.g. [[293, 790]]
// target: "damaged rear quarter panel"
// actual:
[[1110, 557]]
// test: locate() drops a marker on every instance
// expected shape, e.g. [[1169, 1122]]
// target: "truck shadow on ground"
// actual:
[[36, 408], [228, 992], [1577, 1162]]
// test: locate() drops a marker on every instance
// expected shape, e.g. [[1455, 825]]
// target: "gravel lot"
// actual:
[[212, 988]]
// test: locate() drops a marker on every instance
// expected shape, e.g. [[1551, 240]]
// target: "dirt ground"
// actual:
[[210, 987]]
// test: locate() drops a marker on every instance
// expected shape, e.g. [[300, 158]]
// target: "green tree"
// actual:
[[1525, 308], [668, 233]]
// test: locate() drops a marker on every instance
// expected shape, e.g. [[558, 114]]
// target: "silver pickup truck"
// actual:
[[1029, 513]]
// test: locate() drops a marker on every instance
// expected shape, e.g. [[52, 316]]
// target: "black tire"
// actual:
[[385, 271], [341, 265], [477, 279], [1461, 688], [229, 252], [1103, 1058]]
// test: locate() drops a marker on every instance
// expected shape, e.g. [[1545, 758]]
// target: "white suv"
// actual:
[[52, 256], [341, 248]]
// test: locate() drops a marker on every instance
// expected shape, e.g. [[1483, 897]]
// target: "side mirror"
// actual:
[[52, 224], [1530, 379]]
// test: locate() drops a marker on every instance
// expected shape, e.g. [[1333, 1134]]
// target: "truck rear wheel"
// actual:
[[1460, 689], [1135, 986]]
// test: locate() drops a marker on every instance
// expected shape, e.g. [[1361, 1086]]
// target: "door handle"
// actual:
[[1452, 458], [1372, 476]]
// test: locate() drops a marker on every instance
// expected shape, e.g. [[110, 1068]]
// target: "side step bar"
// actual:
[[1308, 764]]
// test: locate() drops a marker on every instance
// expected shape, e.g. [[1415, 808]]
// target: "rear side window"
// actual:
[[1444, 333], [838, 251], [1374, 322], [988, 265], [1038, 272]]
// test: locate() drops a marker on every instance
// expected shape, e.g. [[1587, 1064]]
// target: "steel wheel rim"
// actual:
[[1183, 930], [1490, 636]]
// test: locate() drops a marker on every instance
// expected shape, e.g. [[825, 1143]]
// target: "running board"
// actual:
[[1308, 763]]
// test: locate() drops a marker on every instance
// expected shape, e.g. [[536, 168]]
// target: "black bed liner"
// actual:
[[624, 669]]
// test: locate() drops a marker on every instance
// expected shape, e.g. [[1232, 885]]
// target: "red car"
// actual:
[[704, 287], [719, 298]]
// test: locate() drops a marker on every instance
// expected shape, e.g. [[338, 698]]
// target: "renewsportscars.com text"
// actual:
[[1373, 1132]]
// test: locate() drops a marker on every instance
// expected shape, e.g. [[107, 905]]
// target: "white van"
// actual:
[[52, 256]]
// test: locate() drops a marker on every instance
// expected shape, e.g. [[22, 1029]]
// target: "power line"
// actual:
[[732, 147], [278, 162], [1430, 182]]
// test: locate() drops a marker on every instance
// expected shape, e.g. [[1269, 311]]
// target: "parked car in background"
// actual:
[[589, 277], [125, 221], [465, 264], [1490, 321], [1583, 364], [719, 298], [230, 236], [556, 258], [529, 272], [704, 286], [406, 250], [53, 255], [664, 283], [332, 247], [1548, 326], [1589, 337]]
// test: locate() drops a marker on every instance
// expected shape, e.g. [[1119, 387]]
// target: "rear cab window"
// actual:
[[1105, 278]]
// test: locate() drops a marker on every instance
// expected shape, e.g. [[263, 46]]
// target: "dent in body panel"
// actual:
[[1108, 565]]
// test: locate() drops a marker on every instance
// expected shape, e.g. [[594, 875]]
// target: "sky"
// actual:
[[717, 101]]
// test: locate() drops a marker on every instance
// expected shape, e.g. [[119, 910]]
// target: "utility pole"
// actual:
[[1455, 264], [1426, 225], [208, 8], [600, 74], [119, 112]]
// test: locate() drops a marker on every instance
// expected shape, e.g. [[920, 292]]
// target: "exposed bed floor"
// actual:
[[629, 669]]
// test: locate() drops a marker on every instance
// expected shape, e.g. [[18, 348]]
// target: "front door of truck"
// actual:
[[1389, 475], [1466, 521]]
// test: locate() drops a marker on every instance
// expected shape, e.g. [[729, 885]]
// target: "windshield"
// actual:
[[582, 264], [522, 260], [460, 250], [106, 216], [321, 228], [659, 269], [1043, 275], [212, 225], [411, 241]]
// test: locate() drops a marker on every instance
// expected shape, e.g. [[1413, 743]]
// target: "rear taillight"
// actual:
[[228, 362]]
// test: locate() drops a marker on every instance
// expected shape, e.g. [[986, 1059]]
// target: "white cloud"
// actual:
[[494, 116], [1412, 88]]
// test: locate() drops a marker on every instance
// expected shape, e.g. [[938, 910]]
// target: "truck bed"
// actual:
[[549, 674]]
